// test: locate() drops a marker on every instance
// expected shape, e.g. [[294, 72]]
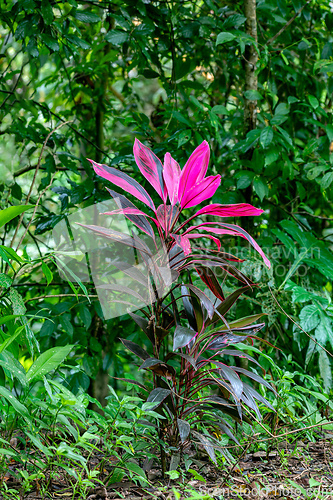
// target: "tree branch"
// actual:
[[271, 40]]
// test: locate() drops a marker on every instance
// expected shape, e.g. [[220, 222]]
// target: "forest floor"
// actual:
[[301, 470]]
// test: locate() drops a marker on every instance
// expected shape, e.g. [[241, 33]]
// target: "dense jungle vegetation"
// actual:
[[236, 348]]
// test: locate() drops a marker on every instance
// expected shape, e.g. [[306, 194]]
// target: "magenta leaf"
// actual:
[[123, 181], [138, 219], [125, 239], [201, 191], [232, 229], [195, 168], [151, 167], [235, 210], [209, 278], [171, 175]]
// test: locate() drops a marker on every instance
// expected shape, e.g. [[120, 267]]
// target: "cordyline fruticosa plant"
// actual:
[[202, 336]]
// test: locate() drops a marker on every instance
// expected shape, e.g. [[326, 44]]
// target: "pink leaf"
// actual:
[[234, 210], [195, 168], [171, 175], [201, 191], [165, 216], [138, 218], [200, 235], [231, 229], [151, 167], [183, 242], [124, 181]]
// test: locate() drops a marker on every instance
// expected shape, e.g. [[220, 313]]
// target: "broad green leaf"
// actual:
[[184, 137], [78, 42], [11, 339], [9, 317], [50, 42], [252, 95], [86, 16], [309, 317], [117, 37], [245, 180], [266, 137], [313, 101], [11, 254], [323, 332], [11, 364], [39, 445], [220, 110], [325, 369], [65, 450], [47, 272], [292, 99], [47, 12], [224, 37], [48, 361], [260, 188], [326, 181], [10, 213], [329, 132], [136, 469], [15, 403]]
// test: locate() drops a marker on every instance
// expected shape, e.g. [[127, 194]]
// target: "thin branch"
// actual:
[[315, 216], [271, 40], [34, 212], [28, 168], [33, 182], [61, 295]]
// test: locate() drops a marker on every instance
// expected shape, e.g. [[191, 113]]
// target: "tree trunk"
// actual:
[[251, 56]]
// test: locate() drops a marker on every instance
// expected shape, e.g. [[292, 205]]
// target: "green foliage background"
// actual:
[[171, 73]]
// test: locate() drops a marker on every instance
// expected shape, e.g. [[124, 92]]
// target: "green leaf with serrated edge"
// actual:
[[48, 361], [17, 302], [309, 317], [86, 16], [5, 280], [117, 37]]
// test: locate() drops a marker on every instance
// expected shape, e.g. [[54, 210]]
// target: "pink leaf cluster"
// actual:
[[179, 189]]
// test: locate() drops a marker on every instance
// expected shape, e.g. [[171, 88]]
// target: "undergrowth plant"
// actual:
[[192, 381]]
